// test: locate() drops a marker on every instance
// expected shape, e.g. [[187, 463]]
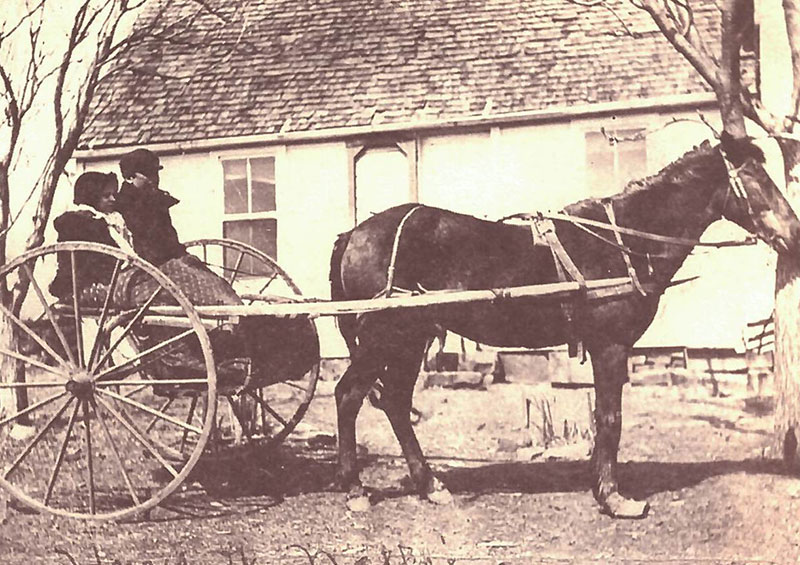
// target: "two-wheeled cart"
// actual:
[[128, 379]]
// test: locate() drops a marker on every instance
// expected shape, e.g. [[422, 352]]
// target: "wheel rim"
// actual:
[[279, 406], [98, 427]]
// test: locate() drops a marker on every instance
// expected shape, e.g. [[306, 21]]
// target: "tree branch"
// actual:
[[729, 87], [791, 9], [700, 60], [36, 9]]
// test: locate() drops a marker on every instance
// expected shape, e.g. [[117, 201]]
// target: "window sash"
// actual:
[[240, 177], [253, 219], [612, 164]]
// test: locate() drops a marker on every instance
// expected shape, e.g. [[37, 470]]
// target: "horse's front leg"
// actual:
[[610, 363], [350, 392]]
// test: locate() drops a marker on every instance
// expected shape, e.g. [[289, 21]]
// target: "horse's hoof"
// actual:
[[439, 493], [357, 499], [359, 503], [617, 506]]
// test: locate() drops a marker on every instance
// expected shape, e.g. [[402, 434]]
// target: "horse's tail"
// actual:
[[346, 322]]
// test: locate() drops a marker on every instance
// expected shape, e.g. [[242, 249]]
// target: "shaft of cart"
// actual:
[[594, 290]]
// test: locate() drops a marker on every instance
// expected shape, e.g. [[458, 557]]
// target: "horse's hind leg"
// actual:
[[350, 392], [396, 401], [610, 363]]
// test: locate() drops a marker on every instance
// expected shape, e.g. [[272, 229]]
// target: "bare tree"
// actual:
[[722, 71], [54, 55]]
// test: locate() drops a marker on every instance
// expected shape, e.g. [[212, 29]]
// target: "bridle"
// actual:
[[736, 186]]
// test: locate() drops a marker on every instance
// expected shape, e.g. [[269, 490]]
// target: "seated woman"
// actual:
[[91, 219]]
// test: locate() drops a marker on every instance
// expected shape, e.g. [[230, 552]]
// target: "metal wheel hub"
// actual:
[[81, 385]]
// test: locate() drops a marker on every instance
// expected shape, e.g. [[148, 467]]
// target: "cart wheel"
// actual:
[[267, 414], [90, 431]]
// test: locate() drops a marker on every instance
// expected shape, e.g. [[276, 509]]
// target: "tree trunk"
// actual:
[[8, 367], [787, 328]]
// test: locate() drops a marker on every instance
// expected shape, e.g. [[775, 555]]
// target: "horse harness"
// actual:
[[543, 233]]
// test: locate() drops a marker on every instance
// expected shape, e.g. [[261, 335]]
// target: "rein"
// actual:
[[581, 222]]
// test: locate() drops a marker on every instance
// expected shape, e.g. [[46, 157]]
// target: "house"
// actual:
[[282, 124]]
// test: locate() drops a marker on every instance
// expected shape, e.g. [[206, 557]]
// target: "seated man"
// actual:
[[146, 208]]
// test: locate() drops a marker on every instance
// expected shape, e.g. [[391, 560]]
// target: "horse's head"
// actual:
[[752, 200]]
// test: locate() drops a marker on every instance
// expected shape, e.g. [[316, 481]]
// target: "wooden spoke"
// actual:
[[38, 384], [153, 439], [89, 459], [49, 311], [269, 282], [42, 343], [265, 406], [161, 408], [236, 267], [293, 385], [149, 410], [136, 317], [189, 418], [131, 361], [154, 382], [32, 407], [76, 310], [60, 457], [139, 388], [98, 340], [36, 439], [258, 394], [33, 362], [139, 437], [115, 452]]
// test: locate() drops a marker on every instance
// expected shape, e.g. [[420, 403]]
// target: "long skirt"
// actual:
[[256, 351]]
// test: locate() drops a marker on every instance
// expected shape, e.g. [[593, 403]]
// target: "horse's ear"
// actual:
[[739, 149]]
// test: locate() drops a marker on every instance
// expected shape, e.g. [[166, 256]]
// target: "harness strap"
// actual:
[[566, 271], [387, 291], [609, 207], [628, 231]]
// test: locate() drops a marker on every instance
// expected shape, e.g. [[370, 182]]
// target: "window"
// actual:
[[382, 181], [613, 159], [249, 206]]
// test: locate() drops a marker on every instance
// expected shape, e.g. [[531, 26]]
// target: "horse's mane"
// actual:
[[688, 165]]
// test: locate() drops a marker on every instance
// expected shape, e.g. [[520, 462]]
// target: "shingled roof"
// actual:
[[270, 66]]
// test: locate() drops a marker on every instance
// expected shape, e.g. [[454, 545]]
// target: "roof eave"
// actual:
[[673, 102]]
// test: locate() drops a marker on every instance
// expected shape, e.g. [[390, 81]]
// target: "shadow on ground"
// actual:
[[295, 469], [640, 480]]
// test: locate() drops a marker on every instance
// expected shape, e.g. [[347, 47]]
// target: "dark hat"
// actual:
[[139, 161], [89, 186]]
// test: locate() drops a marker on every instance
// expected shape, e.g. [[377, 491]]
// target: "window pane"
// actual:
[[261, 234], [599, 165], [263, 186], [632, 154], [235, 186]]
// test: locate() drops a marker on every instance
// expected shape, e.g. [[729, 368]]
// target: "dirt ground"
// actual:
[[697, 459]]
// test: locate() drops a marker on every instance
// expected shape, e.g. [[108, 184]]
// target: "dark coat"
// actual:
[[91, 268], [147, 216]]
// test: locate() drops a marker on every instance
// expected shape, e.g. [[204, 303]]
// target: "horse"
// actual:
[[418, 247]]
